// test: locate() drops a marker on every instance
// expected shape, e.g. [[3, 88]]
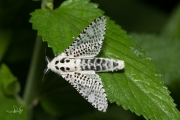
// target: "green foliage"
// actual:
[[9, 100], [10, 85], [10, 104], [139, 87], [172, 28], [61, 26], [4, 40], [161, 49]]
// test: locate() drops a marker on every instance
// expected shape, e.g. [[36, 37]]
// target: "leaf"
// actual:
[[10, 85], [65, 23], [9, 104], [5, 36], [139, 87], [172, 29], [11, 107], [160, 48]]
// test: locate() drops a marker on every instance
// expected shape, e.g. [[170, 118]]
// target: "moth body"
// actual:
[[62, 65]]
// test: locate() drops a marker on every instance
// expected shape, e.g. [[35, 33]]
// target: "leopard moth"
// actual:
[[78, 64]]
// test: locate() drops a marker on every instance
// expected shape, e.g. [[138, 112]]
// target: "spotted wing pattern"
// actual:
[[89, 42], [90, 87], [94, 77]]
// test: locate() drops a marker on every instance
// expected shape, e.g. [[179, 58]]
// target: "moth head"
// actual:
[[55, 65]]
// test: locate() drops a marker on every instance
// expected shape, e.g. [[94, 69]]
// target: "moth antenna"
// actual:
[[47, 59], [46, 71]]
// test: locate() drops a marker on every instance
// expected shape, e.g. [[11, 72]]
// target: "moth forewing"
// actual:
[[78, 64]]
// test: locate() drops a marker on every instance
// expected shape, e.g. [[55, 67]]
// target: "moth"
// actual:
[[78, 64]]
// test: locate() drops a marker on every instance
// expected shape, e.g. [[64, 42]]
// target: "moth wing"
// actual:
[[94, 77], [89, 42], [91, 89]]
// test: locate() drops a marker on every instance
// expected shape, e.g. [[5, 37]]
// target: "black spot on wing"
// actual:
[[62, 61], [67, 68], [57, 68], [62, 68], [67, 61], [56, 62]]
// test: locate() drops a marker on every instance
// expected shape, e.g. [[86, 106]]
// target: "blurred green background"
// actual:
[[149, 22]]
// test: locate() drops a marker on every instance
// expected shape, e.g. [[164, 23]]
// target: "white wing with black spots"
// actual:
[[89, 42], [94, 77], [91, 89]]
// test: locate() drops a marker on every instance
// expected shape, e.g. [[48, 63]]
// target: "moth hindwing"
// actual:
[[78, 64]]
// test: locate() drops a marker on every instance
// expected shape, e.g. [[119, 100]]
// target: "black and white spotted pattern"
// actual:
[[91, 89], [78, 64], [89, 42], [100, 64]]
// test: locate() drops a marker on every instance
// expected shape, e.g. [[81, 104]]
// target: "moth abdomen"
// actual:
[[101, 64]]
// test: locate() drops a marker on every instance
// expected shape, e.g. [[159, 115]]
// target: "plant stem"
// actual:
[[47, 4], [33, 78], [31, 84]]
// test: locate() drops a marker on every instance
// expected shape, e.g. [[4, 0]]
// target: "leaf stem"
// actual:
[[47, 4]]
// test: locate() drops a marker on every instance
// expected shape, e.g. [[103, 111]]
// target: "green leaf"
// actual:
[[172, 29], [5, 36], [160, 48], [139, 87], [11, 107], [8, 105], [61, 26], [10, 85]]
